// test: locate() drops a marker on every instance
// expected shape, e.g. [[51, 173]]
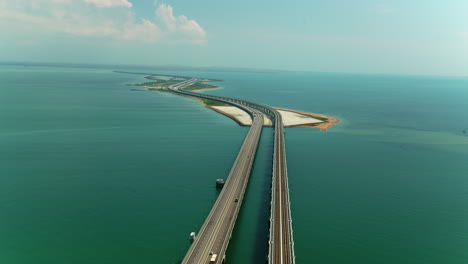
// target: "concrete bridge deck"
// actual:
[[214, 236], [215, 233], [281, 233]]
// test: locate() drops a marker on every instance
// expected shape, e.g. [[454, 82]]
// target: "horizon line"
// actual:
[[175, 67]]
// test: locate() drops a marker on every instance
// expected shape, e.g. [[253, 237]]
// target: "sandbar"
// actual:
[[291, 118]]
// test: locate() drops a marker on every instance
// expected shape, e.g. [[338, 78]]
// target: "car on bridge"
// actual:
[[213, 259]]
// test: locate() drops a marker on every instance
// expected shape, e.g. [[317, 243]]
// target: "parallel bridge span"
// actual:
[[213, 237]]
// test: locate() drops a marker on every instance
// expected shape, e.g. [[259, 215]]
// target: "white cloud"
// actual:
[[82, 20], [147, 31], [180, 27], [109, 3], [59, 25]]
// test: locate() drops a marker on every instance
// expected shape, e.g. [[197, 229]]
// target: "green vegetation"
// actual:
[[165, 90], [146, 84], [162, 81], [212, 103], [160, 84], [165, 79], [200, 85]]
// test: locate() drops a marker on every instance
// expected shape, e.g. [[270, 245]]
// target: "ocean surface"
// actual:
[[94, 172]]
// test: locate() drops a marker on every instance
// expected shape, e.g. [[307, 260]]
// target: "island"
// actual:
[[291, 118]]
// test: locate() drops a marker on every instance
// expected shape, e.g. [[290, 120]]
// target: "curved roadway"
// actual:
[[215, 233]]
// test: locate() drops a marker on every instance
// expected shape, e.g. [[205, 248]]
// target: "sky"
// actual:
[[428, 37]]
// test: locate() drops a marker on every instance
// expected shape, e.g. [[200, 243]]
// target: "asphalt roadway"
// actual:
[[281, 236], [214, 236]]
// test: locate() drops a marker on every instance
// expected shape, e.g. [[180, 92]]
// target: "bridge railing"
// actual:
[[272, 204], [291, 238], [275, 117]]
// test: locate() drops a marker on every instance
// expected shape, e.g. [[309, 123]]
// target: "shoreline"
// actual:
[[216, 110], [153, 88], [332, 121], [225, 114], [323, 126], [205, 89]]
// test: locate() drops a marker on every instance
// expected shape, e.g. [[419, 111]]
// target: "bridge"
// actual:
[[281, 250], [212, 240]]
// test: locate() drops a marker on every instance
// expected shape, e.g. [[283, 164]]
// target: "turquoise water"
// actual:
[[92, 172]]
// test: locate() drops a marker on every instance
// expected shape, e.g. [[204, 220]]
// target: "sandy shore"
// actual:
[[291, 118], [298, 119], [324, 126], [205, 89], [243, 120], [238, 115], [197, 90]]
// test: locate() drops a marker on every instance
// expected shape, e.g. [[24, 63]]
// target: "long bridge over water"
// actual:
[[210, 245]]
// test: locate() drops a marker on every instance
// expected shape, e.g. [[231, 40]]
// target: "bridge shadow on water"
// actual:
[[249, 243], [263, 220]]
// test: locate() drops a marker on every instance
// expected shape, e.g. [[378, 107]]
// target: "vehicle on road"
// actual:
[[213, 258]]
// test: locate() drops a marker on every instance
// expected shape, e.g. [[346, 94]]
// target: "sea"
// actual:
[[96, 171]]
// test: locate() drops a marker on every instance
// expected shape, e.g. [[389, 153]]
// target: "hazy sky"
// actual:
[[398, 36]]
